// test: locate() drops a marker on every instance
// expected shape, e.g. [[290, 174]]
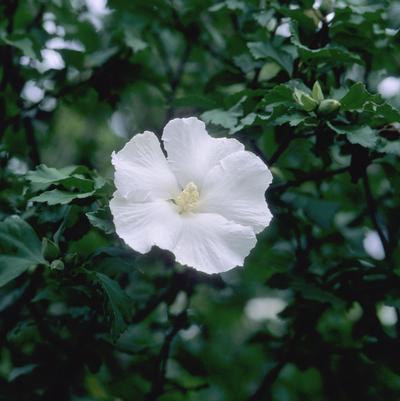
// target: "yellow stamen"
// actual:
[[188, 199]]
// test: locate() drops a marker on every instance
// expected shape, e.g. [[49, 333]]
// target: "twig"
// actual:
[[167, 294], [281, 148], [37, 19], [44, 327], [286, 353], [256, 149], [187, 389], [31, 140], [265, 385], [10, 10], [184, 281], [159, 382]]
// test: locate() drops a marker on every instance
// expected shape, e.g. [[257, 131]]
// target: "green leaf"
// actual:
[[12, 266], [100, 57], [329, 54], [244, 122], [20, 249], [389, 147], [280, 94], [321, 211], [385, 111], [68, 177], [74, 182], [195, 101], [264, 17], [22, 43], [20, 371], [120, 305], [224, 118], [264, 50], [133, 41], [314, 292], [48, 175], [57, 197], [356, 97], [373, 106], [79, 182], [102, 219], [246, 63], [364, 135], [229, 4], [293, 119]]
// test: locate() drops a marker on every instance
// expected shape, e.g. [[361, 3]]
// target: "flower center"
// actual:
[[188, 199]]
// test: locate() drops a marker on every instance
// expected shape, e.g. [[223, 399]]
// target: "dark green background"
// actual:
[[311, 316]]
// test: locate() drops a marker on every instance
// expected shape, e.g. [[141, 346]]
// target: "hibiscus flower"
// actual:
[[205, 202]]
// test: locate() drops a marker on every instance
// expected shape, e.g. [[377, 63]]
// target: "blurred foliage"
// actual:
[[314, 312]]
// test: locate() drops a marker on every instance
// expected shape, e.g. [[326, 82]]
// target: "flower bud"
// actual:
[[50, 250], [328, 106], [304, 100], [57, 265], [317, 92], [297, 95]]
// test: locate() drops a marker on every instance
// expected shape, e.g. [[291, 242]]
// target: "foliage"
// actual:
[[82, 317]]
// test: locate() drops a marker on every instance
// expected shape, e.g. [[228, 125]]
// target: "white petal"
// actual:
[[373, 245], [142, 171], [212, 244], [235, 188], [144, 224], [192, 153]]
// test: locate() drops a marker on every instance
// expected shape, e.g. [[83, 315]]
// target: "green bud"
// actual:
[[328, 106], [50, 250], [317, 92], [308, 103], [304, 100], [57, 265], [297, 96]]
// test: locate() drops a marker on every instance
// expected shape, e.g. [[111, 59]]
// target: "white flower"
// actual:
[[373, 245], [204, 203], [389, 87]]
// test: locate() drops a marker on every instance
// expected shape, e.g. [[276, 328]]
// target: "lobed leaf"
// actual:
[[20, 249]]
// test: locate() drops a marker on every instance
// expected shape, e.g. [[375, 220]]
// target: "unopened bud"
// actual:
[[317, 92], [308, 103], [50, 250], [304, 100], [328, 106], [297, 95], [57, 265]]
